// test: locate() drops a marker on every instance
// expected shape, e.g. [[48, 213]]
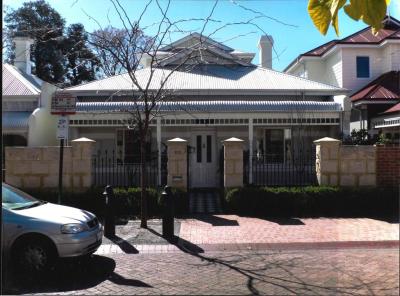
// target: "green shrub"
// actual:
[[127, 200], [312, 201]]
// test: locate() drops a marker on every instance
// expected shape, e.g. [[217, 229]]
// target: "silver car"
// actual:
[[36, 233]]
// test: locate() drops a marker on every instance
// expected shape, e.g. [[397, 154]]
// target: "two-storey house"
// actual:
[[368, 65]]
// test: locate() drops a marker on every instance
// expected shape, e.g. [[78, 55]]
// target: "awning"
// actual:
[[213, 106], [15, 120]]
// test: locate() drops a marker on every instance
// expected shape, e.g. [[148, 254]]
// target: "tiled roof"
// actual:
[[395, 108], [391, 30], [385, 87], [15, 120], [214, 106], [16, 83], [212, 78]]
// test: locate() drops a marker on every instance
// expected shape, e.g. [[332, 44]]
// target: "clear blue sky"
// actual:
[[290, 40]]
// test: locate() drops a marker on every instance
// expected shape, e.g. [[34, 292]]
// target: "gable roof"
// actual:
[[395, 108], [390, 31], [385, 87], [212, 79], [198, 37], [17, 83]]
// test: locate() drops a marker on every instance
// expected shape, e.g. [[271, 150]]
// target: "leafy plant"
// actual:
[[325, 12]]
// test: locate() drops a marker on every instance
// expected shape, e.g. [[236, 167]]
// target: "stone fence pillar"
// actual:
[[82, 151], [233, 162], [327, 161], [177, 163]]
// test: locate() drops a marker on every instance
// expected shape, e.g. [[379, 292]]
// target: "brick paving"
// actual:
[[306, 272], [232, 229]]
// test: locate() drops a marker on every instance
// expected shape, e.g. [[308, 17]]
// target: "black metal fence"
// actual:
[[298, 170], [108, 169]]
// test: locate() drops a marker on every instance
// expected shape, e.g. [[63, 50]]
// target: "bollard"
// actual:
[[109, 221], [167, 199]]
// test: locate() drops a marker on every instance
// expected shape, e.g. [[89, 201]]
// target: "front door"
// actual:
[[203, 162]]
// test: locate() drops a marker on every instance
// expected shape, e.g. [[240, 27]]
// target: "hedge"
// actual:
[[127, 200], [312, 201]]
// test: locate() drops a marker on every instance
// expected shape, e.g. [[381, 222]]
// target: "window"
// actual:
[[198, 148], [209, 149], [362, 67]]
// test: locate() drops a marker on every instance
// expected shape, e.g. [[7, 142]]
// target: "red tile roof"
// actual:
[[395, 108], [385, 87], [391, 30]]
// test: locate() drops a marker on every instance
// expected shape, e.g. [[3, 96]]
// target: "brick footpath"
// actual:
[[307, 272]]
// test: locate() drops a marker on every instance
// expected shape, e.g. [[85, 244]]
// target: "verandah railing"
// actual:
[[108, 169]]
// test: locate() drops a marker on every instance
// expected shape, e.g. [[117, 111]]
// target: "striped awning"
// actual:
[[15, 120], [213, 106]]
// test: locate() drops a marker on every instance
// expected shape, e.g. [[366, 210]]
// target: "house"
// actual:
[[368, 65], [24, 96], [222, 95]]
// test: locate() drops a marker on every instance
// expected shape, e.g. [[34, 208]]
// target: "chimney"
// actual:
[[23, 53], [265, 54]]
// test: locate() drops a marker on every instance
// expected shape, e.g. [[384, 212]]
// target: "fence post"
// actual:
[[233, 163], [327, 161], [177, 163]]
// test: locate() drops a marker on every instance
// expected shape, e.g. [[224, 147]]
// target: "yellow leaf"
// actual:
[[320, 13], [336, 6]]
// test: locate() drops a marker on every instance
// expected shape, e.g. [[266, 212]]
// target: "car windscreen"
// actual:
[[14, 199]]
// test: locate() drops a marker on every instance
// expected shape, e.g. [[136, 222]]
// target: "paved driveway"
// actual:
[[310, 272]]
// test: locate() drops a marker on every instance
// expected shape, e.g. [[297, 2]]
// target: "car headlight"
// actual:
[[73, 228]]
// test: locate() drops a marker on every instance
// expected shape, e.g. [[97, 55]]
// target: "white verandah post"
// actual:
[[159, 150], [251, 134]]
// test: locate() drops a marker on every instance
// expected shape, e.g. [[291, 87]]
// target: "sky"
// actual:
[[287, 21]]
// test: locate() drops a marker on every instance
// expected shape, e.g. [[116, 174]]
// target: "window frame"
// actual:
[[359, 59]]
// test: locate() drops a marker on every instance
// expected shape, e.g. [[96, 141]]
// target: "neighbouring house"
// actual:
[[25, 97], [368, 65], [223, 95], [388, 123]]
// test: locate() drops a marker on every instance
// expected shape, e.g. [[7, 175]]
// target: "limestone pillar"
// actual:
[[82, 151], [177, 163], [327, 161], [233, 163]]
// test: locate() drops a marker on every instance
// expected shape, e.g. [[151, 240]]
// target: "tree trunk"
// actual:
[[143, 184]]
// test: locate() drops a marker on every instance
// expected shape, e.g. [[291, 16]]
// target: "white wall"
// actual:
[[334, 69], [42, 124], [378, 64]]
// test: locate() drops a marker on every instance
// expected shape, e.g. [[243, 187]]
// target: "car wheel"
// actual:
[[35, 256]]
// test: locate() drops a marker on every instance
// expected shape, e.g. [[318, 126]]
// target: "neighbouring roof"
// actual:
[[395, 108], [15, 120], [16, 83], [213, 106], [385, 87], [212, 78], [391, 30]]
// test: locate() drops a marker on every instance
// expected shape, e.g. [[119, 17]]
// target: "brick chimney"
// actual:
[[265, 51], [23, 54]]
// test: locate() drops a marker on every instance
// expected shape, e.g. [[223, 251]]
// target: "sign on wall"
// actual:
[[62, 127], [63, 103]]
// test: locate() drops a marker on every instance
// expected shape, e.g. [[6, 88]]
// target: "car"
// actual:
[[36, 233]]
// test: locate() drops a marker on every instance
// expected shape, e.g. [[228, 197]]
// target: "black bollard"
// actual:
[[109, 221], [168, 213]]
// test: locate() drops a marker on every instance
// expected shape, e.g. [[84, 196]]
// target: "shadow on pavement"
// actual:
[[123, 244], [68, 275], [285, 221], [180, 243], [216, 221], [120, 280]]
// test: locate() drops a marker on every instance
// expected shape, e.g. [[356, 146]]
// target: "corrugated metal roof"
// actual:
[[213, 106], [385, 87], [15, 120], [16, 83], [210, 78]]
